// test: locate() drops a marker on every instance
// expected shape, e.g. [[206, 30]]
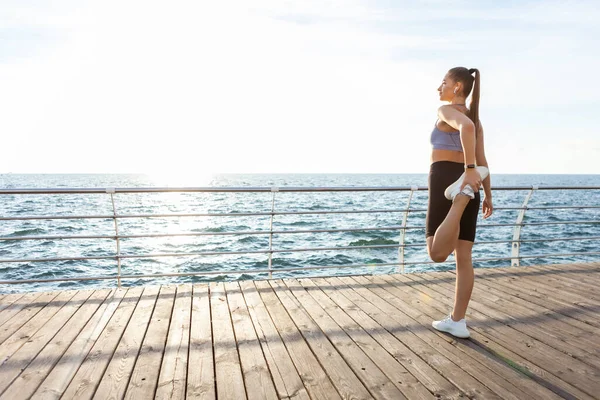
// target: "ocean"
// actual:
[[241, 266]]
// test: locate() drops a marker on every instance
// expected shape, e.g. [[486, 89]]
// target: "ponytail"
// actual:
[[471, 85], [474, 106]]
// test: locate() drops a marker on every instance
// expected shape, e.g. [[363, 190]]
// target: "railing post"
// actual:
[[403, 230], [516, 243], [111, 191], [273, 190]]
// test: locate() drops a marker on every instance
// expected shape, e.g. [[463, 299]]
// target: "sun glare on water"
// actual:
[[176, 202]]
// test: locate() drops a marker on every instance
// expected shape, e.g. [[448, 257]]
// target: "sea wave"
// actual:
[[373, 242], [28, 232]]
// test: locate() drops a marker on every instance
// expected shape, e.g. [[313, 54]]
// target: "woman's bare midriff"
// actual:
[[447, 155]]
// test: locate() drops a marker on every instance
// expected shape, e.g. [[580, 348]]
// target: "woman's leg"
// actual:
[[445, 240], [465, 278]]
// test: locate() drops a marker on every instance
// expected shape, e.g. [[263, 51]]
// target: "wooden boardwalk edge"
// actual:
[[534, 334]]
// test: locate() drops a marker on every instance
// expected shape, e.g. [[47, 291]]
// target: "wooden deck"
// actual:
[[535, 334]]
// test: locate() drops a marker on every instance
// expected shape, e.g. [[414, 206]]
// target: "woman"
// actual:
[[458, 168]]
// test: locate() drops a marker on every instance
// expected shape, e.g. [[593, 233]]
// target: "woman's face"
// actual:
[[446, 89]]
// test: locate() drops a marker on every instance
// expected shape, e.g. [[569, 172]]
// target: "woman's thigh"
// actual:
[[441, 175]]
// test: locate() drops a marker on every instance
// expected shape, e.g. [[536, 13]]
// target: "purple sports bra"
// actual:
[[441, 140]]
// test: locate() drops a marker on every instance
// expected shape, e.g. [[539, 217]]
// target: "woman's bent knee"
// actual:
[[438, 257]]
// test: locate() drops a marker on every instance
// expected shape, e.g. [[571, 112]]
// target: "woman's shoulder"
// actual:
[[455, 106], [459, 108], [447, 110]]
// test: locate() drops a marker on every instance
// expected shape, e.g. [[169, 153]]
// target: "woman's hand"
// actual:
[[487, 207], [472, 178]]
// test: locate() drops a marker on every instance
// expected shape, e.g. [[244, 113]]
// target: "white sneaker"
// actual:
[[455, 328], [453, 190]]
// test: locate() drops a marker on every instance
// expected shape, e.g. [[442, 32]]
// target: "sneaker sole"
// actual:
[[461, 336], [483, 172]]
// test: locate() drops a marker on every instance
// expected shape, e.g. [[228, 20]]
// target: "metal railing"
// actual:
[[515, 242]]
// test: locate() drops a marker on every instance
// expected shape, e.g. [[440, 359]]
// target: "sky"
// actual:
[[275, 86]]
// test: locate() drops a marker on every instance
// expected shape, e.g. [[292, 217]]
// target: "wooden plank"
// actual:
[[517, 318], [315, 379], [593, 267], [563, 278], [31, 377], [577, 281], [20, 318], [26, 302], [551, 363], [594, 264], [257, 377], [369, 382], [18, 361], [565, 313], [12, 344], [548, 341], [285, 376], [57, 381], [352, 338], [201, 377], [529, 339], [172, 378], [370, 298], [144, 378], [584, 266], [574, 327], [589, 271], [549, 294], [499, 379], [116, 377], [587, 279], [577, 269], [436, 302], [230, 381], [86, 380], [8, 299], [410, 363], [539, 318], [479, 355], [414, 334], [552, 278]]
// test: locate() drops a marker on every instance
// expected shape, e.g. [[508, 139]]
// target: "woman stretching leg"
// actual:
[[458, 169]]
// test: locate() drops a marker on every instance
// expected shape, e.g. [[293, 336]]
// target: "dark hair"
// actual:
[[461, 74]]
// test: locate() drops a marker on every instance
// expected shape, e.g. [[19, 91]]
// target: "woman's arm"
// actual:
[[462, 123], [481, 160]]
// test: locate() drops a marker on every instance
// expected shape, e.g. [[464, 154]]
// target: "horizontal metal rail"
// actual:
[[154, 235], [179, 215], [117, 237], [172, 215], [263, 189]]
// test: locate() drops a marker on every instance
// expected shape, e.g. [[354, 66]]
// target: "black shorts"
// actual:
[[441, 175]]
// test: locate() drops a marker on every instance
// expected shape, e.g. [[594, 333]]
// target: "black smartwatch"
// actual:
[[470, 166]]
